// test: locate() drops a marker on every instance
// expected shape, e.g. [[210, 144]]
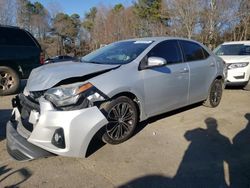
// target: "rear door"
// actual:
[[202, 69], [166, 87]]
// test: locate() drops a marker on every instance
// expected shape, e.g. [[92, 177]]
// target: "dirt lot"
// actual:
[[192, 147]]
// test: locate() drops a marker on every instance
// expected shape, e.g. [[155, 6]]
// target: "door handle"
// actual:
[[212, 64], [185, 70]]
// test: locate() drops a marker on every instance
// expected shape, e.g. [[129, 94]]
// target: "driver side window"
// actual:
[[168, 50]]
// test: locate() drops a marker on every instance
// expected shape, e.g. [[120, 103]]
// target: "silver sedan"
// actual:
[[110, 91]]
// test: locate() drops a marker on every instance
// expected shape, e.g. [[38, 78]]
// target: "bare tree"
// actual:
[[54, 7], [242, 30], [7, 12], [184, 16]]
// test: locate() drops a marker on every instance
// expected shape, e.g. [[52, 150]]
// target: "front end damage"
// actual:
[[38, 128]]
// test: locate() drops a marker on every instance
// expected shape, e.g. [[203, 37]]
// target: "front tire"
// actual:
[[122, 115], [215, 94], [9, 81]]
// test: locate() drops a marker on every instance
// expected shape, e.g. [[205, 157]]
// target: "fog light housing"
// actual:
[[58, 138]]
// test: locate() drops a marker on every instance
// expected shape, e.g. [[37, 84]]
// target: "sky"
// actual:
[[80, 6]]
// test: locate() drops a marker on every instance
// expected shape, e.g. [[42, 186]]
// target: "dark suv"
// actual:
[[19, 54]]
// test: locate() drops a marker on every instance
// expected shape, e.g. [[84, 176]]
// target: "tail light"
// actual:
[[42, 59]]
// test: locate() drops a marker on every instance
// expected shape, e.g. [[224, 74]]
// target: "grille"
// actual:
[[26, 106], [37, 94]]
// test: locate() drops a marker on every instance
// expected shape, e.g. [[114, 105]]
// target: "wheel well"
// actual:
[[133, 98], [12, 66], [219, 77]]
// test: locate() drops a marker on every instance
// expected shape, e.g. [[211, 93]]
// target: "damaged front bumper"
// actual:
[[66, 133]]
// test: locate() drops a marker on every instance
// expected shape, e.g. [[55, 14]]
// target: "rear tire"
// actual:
[[122, 115], [9, 81], [215, 94]]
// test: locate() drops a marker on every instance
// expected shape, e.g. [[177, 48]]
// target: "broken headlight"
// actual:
[[70, 95]]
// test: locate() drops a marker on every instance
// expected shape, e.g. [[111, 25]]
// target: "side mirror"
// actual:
[[156, 62]]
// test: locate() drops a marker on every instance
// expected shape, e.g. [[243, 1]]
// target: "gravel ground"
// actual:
[[192, 147]]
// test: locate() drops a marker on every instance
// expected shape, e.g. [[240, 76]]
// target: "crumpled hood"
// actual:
[[235, 58], [47, 76]]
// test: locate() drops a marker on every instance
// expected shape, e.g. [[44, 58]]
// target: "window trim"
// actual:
[[142, 63]]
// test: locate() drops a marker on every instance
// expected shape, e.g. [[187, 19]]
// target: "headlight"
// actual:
[[69, 95], [237, 65]]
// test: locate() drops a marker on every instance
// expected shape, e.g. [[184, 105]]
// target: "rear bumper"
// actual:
[[19, 148]]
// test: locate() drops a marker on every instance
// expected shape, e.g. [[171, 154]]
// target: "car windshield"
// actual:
[[233, 49], [117, 53]]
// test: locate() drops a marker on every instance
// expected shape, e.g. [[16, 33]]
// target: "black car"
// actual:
[[60, 58], [19, 54]]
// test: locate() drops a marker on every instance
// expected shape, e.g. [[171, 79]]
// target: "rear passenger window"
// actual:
[[15, 37], [193, 51], [206, 54], [168, 50]]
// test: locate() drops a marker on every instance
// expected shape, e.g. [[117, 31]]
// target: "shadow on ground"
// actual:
[[153, 119], [24, 174], [97, 144], [234, 87], [203, 163], [4, 117]]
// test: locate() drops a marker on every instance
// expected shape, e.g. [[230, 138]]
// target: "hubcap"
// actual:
[[6, 81], [121, 120]]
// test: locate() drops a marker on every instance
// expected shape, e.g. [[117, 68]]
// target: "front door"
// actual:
[[166, 87]]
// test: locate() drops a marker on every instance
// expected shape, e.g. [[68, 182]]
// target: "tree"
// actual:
[[66, 28], [33, 17], [7, 12], [89, 19], [184, 16], [242, 30], [152, 16], [23, 15]]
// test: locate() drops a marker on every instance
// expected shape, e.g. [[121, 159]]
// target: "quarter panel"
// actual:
[[202, 74], [127, 78]]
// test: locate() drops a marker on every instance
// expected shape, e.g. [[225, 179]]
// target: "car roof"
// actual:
[[246, 42], [9, 27], [158, 39]]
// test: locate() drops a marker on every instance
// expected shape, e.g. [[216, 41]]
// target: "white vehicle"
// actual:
[[237, 57]]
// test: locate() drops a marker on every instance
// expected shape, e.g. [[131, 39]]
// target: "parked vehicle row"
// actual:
[[237, 57], [19, 54], [109, 92]]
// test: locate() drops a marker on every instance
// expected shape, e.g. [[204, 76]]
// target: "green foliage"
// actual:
[[89, 19], [149, 9], [118, 8], [67, 26], [35, 8]]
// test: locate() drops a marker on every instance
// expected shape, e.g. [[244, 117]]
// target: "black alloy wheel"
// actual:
[[122, 116], [215, 94]]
